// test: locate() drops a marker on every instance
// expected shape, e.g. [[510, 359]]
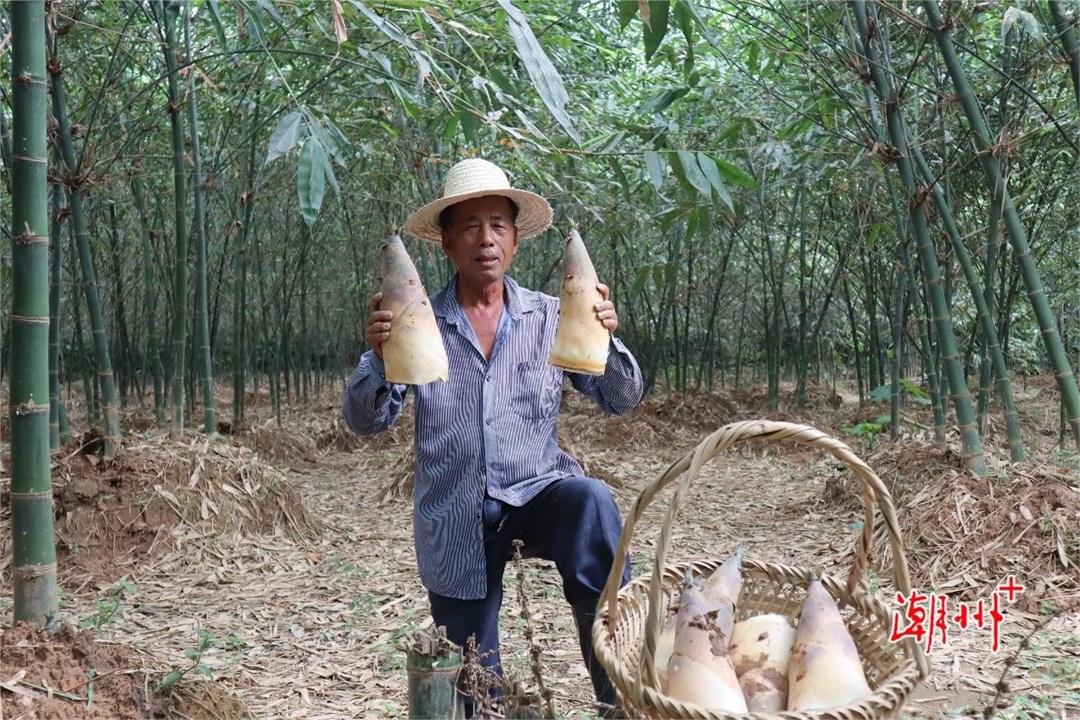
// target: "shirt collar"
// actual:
[[445, 303]]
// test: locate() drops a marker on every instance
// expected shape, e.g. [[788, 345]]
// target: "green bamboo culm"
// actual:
[[167, 13], [56, 222], [152, 356], [247, 200], [1068, 43], [202, 315], [109, 408], [880, 72], [1044, 314], [986, 320], [33, 564]]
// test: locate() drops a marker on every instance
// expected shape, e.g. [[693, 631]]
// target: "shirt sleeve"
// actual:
[[371, 404], [620, 388]]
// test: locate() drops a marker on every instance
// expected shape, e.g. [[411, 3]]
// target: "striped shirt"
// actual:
[[489, 429]]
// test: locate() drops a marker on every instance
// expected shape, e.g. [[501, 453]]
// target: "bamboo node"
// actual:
[[32, 320], [38, 495], [28, 159], [30, 408], [29, 572]]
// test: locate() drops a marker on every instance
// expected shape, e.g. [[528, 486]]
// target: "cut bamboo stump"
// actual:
[[433, 664]]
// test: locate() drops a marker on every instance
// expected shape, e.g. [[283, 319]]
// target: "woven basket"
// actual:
[[628, 620]]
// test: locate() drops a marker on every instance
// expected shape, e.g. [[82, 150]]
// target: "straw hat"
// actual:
[[477, 178]]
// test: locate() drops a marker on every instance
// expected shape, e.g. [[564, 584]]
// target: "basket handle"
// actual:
[[720, 440]]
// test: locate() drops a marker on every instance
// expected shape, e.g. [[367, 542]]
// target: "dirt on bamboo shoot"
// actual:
[[581, 340], [700, 670], [414, 353], [825, 670], [760, 651]]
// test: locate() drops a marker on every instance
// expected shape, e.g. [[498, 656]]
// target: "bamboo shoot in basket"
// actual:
[[414, 353], [700, 669], [581, 340], [825, 670], [760, 651]]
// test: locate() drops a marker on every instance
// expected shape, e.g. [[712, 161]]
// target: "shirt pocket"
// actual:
[[536, 391]]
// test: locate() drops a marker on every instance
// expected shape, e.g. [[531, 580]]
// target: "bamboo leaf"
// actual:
[[545, 77], [331, 139], [735, 174], [640, 278], [219, 28], [709, 168], [692, 172], [285, 136], [253, 22], [660, 102], [393, 32], [685, 21], [656, 28], [616, 167], [656, 169], [627, 10], [311, 179]]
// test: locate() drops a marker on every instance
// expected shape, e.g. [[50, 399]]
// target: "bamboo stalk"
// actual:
[[153, 342], [104, 375], [33, 563], [55, 398], [880, 72], [986, 321], [180, 313], [1044, 314], [202, 316], [1068, 43]]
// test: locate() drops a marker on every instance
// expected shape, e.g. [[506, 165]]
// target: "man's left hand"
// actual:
[[605, 310]]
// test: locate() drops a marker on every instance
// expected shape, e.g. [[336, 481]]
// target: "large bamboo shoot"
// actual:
[[700, 670], [825, 671], [414, 353], [760, 651], [581, 340]]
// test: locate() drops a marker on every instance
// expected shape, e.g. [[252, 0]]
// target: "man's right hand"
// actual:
[[378, 325]]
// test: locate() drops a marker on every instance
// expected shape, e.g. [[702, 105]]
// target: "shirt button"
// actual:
[[489, 421], [487, 379]]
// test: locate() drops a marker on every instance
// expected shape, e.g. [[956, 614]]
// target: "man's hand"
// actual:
[[605, 310], [378, 325]]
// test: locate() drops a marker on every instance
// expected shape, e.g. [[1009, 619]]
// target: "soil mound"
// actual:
[[110, 514], [69, 674]]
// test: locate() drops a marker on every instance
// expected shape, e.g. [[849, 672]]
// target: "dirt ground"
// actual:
[[270, 573]]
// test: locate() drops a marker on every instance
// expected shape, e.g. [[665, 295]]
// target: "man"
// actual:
[[488, 466]]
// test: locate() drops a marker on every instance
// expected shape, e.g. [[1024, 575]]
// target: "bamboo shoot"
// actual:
[[825, 671], [724, 583], [700, 670], [760, 651], [581, 340], [414, 353]]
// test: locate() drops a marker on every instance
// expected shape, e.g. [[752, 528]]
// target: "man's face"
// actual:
[[481, 239]]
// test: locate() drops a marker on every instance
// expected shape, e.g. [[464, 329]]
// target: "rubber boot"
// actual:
[[606, 697]]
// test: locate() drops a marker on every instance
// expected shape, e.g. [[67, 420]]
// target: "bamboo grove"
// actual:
[[775, 192]]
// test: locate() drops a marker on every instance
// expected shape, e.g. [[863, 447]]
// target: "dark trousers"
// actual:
[[575, 523]]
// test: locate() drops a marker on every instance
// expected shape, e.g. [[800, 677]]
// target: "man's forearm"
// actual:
[[370, 404], [620, 388]]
